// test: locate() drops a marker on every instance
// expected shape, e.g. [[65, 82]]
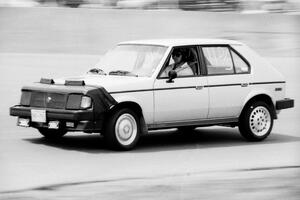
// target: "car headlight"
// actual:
[[25, 98], [86, 102]]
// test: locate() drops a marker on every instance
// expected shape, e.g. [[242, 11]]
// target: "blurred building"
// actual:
[[270, 5], [246, 6], [19, 3]]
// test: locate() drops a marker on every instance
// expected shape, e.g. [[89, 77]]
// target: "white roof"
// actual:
[[182, 42]]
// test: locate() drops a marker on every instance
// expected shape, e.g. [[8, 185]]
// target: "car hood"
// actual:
[[111, 83]]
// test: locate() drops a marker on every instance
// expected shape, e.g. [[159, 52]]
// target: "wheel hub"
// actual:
[[126, 129], [260, 121]]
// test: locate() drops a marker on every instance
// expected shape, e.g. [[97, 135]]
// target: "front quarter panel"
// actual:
[[143, 98], [139, 91]]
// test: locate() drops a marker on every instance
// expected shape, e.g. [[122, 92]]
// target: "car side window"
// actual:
[[240, 65], [218, 60], [183, 60]]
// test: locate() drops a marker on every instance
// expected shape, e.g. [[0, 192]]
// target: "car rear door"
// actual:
[[228, 80]]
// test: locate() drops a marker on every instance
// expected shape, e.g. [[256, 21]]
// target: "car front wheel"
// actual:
[[122, 130], [256, 121]]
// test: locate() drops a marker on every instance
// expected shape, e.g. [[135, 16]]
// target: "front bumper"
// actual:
[[284, 104], [70, 120]]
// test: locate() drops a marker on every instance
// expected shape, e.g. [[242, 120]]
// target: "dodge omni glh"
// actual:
[[155, 84]]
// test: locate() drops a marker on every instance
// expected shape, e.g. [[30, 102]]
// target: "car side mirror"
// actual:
[[172, 75]]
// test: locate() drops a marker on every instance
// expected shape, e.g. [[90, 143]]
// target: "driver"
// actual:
[[180, 65]]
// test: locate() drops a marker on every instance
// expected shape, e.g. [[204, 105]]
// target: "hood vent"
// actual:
[[75, 83], [47, 81]]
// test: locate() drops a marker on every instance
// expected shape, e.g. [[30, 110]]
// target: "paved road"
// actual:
[[168, 162]]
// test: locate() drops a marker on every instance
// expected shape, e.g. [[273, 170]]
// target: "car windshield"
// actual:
[[132, 60]]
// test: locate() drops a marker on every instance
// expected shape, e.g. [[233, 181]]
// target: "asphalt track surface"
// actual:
[[210, 163]]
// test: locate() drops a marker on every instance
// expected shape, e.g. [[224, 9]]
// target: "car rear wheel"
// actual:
[[256, 121], [122, 130], [52, 133]]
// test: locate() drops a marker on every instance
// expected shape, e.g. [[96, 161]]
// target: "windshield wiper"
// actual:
[[96, 71], [122, 73]]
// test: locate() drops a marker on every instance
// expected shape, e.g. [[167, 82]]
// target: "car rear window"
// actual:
[[240, 65]]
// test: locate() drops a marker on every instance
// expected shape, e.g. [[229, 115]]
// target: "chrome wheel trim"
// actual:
[[126, 129], [260, 121]]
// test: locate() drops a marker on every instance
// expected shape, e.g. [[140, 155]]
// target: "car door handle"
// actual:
[[199, 87], [244, 84]]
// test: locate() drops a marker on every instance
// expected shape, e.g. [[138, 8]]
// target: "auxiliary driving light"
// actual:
[[23, 122], [53, 125]]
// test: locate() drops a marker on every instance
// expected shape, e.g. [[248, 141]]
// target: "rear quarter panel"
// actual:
[[264, 78]]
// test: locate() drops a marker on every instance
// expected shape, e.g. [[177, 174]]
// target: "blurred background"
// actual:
[[271, 27], [290, 6]]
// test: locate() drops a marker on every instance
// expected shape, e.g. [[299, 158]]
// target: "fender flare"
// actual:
[[257, 93]]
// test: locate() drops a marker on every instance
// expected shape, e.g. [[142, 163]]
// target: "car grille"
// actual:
[[48, 100]]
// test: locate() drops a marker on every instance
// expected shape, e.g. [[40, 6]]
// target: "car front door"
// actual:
[[184, 99]]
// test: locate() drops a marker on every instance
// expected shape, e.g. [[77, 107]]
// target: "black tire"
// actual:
[[118, 137], [186, 129], [256, 121], [52, 133]]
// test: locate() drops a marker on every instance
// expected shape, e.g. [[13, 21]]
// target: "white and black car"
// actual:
[[126, 94]]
